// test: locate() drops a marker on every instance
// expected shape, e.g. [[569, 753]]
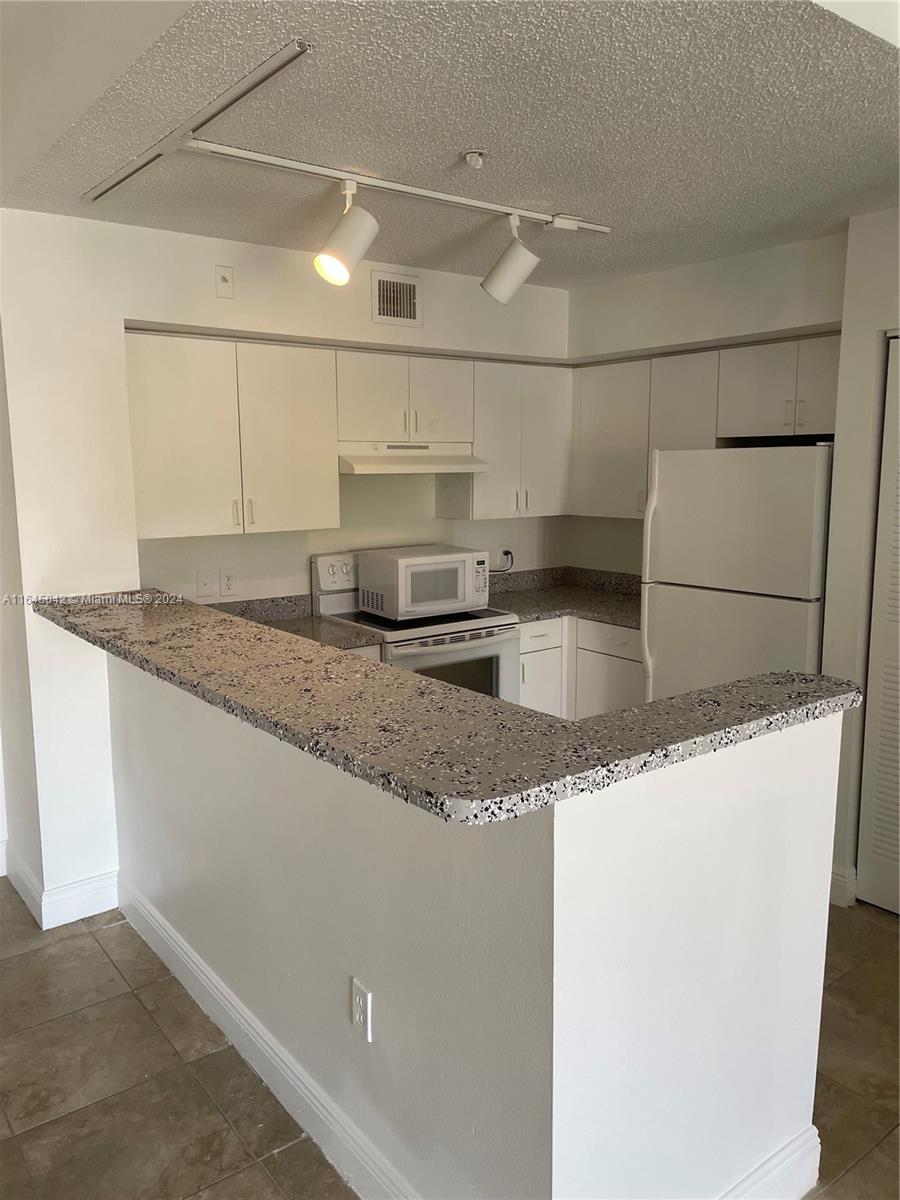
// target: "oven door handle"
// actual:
[[407, 651]]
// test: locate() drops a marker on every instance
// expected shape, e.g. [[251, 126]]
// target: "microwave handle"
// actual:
[[406, 651]]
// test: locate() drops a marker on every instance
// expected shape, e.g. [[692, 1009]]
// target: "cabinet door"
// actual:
[[540, 681], [817, 381], [498, 440], [611, 439], [182, 397], [757, 388], [441, 401], [373, 397], [546, 440], [288, 438], [604, 683], [683, 397]]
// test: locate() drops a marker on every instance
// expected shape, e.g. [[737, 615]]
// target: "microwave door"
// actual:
[[431, 586]]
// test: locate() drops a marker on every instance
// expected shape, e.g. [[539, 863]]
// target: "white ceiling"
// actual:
[[693, 129]]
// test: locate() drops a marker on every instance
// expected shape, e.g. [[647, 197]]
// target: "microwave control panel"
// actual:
[[481, 578]]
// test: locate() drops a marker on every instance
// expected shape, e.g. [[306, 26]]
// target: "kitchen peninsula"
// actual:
[[270, 859]]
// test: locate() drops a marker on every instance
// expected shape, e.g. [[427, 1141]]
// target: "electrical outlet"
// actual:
[[225, 282], [226, 581], [361, 1009], [206, 582]]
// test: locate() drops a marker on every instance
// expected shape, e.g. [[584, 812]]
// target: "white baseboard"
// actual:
[[843, 886], [3, 857], [787, 1174], [342, 1142], [68, 902]]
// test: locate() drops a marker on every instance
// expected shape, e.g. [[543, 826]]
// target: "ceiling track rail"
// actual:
[[237, 154], [176, 139]]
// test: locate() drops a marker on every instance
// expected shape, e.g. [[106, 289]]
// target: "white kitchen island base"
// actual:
[[616, 996]]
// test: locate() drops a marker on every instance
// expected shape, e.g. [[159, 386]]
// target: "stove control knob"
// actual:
[[332, 570], [346, 568]]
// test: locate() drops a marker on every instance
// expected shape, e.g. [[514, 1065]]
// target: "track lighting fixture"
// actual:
[[512, 268], [349, 240]]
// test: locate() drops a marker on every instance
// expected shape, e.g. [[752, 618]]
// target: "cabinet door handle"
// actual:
[[788, 414], [251, 520], [405, 421], [235, 512], [526, 497], [801, 413], [517, 501], [536, 637], [415, 420], [641, 497], [522, 664]]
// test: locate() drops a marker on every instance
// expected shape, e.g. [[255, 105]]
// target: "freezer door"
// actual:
[[694, 638], [742, 520]]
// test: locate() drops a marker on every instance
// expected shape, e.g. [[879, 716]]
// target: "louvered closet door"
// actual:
[[879, 826]]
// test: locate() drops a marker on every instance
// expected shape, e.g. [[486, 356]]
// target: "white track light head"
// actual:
[[511, 269], [348, 242]]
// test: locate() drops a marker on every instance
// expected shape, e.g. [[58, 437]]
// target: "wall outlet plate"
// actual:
[[206, 582], [226, 581], [224, 282], [361, 1009]]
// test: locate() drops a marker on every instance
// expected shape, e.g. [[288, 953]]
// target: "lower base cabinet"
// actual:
[[604, 683], [540, 680]]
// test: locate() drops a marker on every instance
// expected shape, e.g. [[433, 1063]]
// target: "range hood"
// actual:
[[408, 458]]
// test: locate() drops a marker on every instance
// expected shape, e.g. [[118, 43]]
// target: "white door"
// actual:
[[878, 869], [611, 432], [817, 382], [540, 681], [546, 440], [751, 519], [441, 400], [683, 401], [498, 440], [183, 405], [373, 397], [288, 438], [697, 638], [757, 388], [604, 683]]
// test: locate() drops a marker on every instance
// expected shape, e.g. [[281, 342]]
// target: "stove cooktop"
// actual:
[[393, 630]]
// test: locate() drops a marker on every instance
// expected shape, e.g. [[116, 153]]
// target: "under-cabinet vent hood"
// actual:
[[408, 458]]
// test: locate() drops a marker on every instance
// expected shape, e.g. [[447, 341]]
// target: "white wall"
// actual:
[[287, 877], [67, 287], [870, 309], [783, 289]]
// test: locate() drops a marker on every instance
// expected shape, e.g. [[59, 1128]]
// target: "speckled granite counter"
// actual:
[[457, 754], [339, 635], [539, 604]]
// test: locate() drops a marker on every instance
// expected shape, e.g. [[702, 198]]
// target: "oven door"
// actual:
[[431, 586], [488, 665]]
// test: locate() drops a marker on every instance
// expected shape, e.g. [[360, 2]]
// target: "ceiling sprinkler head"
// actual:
[[474, 159]]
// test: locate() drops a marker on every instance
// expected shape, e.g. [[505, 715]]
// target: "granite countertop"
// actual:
[[457, 754], [340, 635], [568, 600]]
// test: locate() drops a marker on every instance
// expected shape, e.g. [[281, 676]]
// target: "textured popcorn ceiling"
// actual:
[[693, 129]]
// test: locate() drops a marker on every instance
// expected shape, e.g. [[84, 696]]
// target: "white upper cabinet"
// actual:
[[441, 400], [757, 388], [683, 397], [817, 381], [546, 440], [498, 442], [612, 417], [186, 453], [288, 422], [373, 397]]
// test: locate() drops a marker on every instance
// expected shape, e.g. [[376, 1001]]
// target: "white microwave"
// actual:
[[401, 583]]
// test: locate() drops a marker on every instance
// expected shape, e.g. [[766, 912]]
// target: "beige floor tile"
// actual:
[[112, 916], [854, 937], [53, 980], [875, 1177], [182, 1020], [131, 954], [5, 1130], [14, 1174], [304, 1173], [849, 1125], [859, 1044], [252, 1184], [246, 1102], [881, 916], [161, 1140], [20, 932], [85, 1056]]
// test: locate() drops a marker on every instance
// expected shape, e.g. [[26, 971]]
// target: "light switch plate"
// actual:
[[225, 282], [206, 582]]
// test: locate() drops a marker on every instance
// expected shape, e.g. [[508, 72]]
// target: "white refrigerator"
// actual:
[[734, 565]]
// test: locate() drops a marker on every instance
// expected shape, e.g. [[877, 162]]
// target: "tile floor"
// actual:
[[115, 1086]]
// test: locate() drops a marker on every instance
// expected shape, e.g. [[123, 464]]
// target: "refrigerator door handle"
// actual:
[[649, 514], [645, 644]]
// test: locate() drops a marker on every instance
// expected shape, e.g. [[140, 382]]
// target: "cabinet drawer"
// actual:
[[373, 652], [609, 639], [540, 635]]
